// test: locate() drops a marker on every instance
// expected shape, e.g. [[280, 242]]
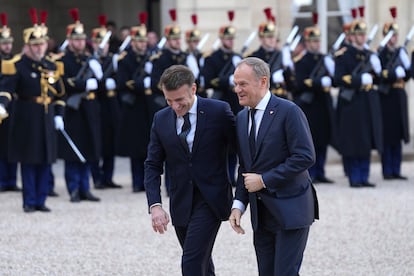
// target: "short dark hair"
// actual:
[[176, 76]]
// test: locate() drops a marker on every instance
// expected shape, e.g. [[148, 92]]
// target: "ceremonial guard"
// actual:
[[192, 39], [134, 85], [358, 115], [103, 169], [393, 97], [82, 73], [269, 52], [38, 110], [171, 54], [8, 170], [313, 82], [218, 76]]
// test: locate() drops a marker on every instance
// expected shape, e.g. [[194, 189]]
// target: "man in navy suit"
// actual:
[[273, 172], [193, 135]]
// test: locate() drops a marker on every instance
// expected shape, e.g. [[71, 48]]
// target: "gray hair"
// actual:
[[176, 76], [259, 67]]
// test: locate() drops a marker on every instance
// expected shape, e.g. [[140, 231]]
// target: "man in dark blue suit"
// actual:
[[273, 172], [193, 135]]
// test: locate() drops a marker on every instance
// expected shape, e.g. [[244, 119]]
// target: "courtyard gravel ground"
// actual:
[[361, 232]]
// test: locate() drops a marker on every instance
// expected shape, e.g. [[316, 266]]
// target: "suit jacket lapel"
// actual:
[[267, 120]]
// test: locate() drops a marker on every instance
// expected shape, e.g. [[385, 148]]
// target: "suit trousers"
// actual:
[[77, 176], [279, 252], [8, 174], [197, 239]]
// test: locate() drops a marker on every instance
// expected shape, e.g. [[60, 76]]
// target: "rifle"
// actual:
[[202, 41], [85, 73], [395, 61], [364, 66], [275, 61], [139, 72], [110, 68], [247, 42]]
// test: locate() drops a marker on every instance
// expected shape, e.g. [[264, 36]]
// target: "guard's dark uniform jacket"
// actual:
[[109, 109], [82, 122], [161, 62], [40, 92], [274, 59], [315, 101], [218, 67], [358, 114], [134, 126], [393, 98]]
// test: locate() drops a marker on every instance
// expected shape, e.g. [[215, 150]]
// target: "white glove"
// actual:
[[400, 72], [147, 82], [277, 76], [366, 79], [329, 65], [326, 81], [375, 63], [110, 84], [96, 68], [235, 60], [366, 46], [115, 62], [286, 57], [148, 67], [192, 64], [91, 84], [59, 124], [231, 80], [404, 58], [3, 111]]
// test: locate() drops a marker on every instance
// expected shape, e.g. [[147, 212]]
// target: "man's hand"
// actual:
[[234, 219], [253, 182], [160, 219]]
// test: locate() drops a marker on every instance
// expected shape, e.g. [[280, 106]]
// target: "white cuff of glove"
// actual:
[[326, 81], [110, 84], [405, 60], [3, 110], [148, 67], [375, 63], [366, 79], [59, 124], [91, 84], [329, 65], [147, 82], [400, 72], [192, 64], [277, 76], [115, 62], [96, 68], [286, 57], [231, 80]]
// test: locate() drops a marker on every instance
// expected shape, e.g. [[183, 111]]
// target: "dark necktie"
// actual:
[[252, 134], [185, 129]]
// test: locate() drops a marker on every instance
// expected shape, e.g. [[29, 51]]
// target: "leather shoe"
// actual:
[[74, 196], [388, 177], [111, 184], [322, 179], [367, 184], [99, 185], [53, 194], [355, 185], [400, 177], [10, 189], [88, 196], [29, 209], [138, 189], [43, 208]]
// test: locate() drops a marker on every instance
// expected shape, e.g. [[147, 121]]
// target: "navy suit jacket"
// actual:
[[205, 167], [284, 152]]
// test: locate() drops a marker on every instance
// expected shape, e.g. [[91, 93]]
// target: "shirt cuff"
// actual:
[[153, 205], [239, 205]]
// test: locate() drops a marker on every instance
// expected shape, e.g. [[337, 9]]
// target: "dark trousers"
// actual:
[[8, 174], [197, 239], [318, 169], [137, 171], [391, 159], [357, 169], [35, 179], [279, 252], [103, 170], [232, 163], [51, 180], [77, 176]]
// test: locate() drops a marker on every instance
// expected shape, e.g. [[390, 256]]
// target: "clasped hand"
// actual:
[[253, 182], [160, 219]]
